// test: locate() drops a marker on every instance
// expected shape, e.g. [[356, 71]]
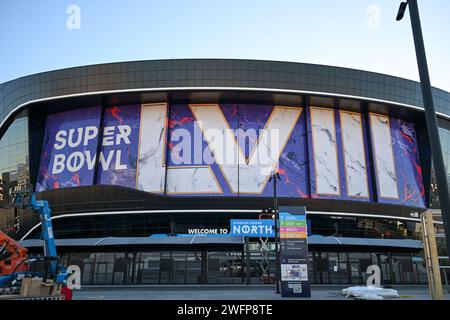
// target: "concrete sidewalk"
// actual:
[[226, 292]]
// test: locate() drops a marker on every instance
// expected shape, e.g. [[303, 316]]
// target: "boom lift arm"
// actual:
[[27, 200], [45, 213]]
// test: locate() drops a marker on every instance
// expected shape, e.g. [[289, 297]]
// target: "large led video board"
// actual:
[[232, 149]]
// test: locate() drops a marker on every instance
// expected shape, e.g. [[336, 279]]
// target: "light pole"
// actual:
[[274, 177], [430, 114]]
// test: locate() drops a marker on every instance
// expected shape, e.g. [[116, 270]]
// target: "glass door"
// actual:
[[179, 267], [225, 267], [333, 268], [342, 268], [148, 268], [383, 262], [87, 273], [194, 268], [101, 274], [104, 268], [165, 268], [358, 263], [321, 268]]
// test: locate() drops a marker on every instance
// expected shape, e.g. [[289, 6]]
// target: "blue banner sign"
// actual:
[[252, 227]]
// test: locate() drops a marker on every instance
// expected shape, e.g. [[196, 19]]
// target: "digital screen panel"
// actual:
[[69, 149]]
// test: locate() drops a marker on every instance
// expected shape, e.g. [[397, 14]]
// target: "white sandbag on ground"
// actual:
[[370, 293]]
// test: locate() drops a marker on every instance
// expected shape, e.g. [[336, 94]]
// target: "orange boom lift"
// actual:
[[11, 255]]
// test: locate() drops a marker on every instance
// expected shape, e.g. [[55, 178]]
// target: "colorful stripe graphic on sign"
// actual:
[[293, 229]]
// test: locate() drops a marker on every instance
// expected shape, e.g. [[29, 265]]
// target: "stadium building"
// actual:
[[146, 163]]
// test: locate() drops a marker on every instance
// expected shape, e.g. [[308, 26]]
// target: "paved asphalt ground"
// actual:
[[233, 292]]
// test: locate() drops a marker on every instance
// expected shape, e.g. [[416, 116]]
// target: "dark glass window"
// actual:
[[14, 158]]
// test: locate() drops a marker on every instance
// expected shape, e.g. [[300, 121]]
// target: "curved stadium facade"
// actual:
[[135, 158]]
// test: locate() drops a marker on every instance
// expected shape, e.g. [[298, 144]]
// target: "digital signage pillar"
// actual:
[[294, 252]]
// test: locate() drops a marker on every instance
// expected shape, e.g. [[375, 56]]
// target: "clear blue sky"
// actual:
[[350, 33]]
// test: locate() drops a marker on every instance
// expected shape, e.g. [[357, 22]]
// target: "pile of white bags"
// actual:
[[370, 293]]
